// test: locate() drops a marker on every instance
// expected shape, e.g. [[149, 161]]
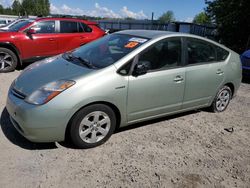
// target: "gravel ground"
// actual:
[[187, 150]]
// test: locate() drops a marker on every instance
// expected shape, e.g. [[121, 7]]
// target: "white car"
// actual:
[[11, 23], [3, 22]]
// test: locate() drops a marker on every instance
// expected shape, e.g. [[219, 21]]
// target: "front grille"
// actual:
[[245, 62], [17, 93]]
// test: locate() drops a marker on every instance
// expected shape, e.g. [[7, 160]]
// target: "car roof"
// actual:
[[68, 19], [150, 34], [154, 34]]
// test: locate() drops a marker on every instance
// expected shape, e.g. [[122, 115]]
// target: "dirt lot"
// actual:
[[188, 150]]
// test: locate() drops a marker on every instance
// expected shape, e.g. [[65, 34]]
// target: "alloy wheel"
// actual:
[[94, 127], [223, 100], [5, 60]]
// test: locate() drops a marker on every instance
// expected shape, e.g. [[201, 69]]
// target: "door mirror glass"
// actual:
[[141, 68]]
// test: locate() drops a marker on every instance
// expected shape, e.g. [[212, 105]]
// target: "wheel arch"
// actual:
[[231, 86], [13, 48], [111, 105]]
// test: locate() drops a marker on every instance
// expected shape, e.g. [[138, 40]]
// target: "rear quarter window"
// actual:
[[222, 54]]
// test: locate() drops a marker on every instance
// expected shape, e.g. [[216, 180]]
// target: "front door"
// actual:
[[159, 91], [41, 44]]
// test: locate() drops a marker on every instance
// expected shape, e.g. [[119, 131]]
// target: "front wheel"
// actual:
[[8, 60], [222, 99], [92, 126]]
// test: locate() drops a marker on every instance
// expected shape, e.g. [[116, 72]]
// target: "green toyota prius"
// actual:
[[118, 80]]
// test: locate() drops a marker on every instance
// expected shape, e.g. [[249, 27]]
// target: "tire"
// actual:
[[222, 100], [8, 60], [92, 126]]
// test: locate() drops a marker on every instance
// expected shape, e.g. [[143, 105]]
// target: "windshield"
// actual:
[[15, 27], [107, 50]]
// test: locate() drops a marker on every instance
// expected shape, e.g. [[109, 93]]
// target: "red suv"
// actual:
[[30, 40]]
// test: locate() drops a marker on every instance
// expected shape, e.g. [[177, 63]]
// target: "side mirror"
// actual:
[[141, 68], [31, 32]]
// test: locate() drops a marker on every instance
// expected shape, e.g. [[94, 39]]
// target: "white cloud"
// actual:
[[6, 3], [64, 9], [189, 19], [127, 13], [103, 12], [98, 10]]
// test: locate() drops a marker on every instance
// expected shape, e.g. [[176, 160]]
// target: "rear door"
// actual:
[[204, 74], [72, 35]]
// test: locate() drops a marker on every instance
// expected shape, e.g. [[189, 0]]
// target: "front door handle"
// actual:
[[51, 39], [219, 72], [178, 79]]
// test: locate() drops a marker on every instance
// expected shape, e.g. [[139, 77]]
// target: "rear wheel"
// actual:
[[92, 126], [222, 99], [8, 60]]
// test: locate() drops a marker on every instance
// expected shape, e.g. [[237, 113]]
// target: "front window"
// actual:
[[107, 50], [45, 27], [16, 27], [163, 55]]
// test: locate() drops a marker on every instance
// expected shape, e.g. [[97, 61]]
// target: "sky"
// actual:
[[184, 10]]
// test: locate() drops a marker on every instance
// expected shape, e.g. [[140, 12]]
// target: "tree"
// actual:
[[167, 17], [28, 7], [1, 9], [16, 7], [232, 20], [202, 18]]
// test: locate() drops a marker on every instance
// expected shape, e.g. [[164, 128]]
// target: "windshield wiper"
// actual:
[[70, 57]]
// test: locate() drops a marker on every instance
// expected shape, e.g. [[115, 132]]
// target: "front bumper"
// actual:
[[37, 123]]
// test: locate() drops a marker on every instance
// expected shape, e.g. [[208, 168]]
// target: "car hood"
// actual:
[[46, 71]]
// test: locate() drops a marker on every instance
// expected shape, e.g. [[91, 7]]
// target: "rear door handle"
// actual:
[[219, 72], [178, 79], [51, 39]]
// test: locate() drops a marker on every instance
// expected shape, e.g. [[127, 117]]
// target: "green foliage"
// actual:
[[16, 7], [167, 17], [28, 7], [202, 18], [232, 20]]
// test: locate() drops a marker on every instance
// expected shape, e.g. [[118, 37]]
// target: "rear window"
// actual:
[[68, 27], [73, 27], [2, 21]]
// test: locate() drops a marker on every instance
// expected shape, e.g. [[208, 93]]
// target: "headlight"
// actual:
[[49, 91]]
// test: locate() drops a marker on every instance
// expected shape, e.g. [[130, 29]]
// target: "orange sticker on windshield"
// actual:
[[131, 44]]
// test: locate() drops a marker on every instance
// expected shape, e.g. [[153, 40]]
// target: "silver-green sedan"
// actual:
[[118, 80]]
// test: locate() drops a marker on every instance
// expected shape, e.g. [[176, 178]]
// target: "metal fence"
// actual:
[[208, 31]]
